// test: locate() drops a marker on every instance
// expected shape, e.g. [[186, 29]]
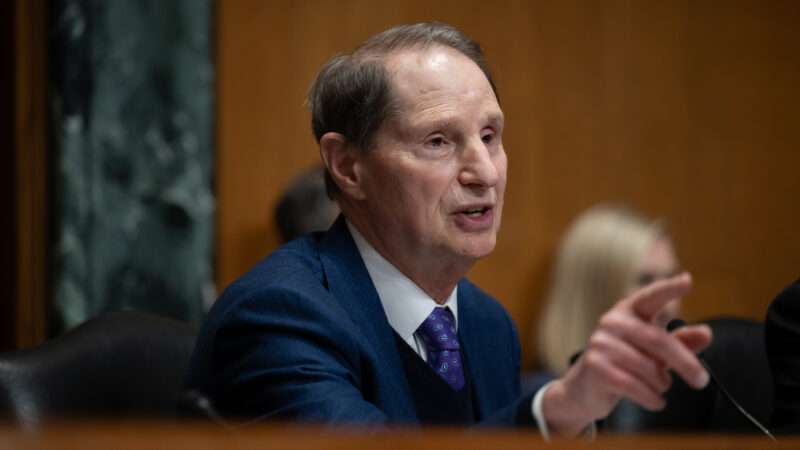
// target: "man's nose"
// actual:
[[478, 167]]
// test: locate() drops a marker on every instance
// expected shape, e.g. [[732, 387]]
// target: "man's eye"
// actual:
[[487, 138], [436, 142]]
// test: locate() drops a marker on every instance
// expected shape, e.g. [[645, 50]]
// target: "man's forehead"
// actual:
[[424, 61], [421, 77]]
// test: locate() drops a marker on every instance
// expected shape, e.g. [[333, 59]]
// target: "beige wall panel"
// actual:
[[686, 110]]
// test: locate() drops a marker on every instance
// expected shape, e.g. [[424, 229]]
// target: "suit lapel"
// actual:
[[473, 337], [349, 282]]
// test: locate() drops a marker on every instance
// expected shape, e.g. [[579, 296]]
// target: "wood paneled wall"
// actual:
[[8, 191], [25, 175], [683, 110]]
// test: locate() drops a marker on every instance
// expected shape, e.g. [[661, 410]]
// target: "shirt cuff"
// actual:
[[536, 410], [590, 432]]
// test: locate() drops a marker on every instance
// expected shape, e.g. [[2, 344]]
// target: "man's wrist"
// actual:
[[559, 412]]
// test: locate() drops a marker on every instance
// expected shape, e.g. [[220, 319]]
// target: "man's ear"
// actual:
[[342, 161]]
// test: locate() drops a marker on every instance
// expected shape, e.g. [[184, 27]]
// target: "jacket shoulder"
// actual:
[[293, 267]]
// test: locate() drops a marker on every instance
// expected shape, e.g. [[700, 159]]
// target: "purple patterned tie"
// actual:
[[438, 332]]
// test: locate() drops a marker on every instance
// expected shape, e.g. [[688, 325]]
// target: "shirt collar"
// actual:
[[406, 304]]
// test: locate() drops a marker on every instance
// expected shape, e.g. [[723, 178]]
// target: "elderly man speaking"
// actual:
[[373, 321]]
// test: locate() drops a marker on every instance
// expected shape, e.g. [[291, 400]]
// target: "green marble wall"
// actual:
[[132, 101]]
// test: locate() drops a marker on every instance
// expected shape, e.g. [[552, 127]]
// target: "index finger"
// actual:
[[649, 300]]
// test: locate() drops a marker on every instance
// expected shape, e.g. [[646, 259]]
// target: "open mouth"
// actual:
[[475, 218], [475, 212]]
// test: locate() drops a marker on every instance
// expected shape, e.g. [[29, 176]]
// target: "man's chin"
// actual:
[[478, 248]]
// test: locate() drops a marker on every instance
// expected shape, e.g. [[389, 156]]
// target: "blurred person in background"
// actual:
[[305, 206], [609, 252]]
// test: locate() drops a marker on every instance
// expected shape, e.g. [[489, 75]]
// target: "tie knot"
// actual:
[[438, 331]]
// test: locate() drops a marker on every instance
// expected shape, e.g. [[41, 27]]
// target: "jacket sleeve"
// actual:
[[279, 355], [518, 410]]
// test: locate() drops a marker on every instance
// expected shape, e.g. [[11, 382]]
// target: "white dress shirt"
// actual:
[[407, 306]]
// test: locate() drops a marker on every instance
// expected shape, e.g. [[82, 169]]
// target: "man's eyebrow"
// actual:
[[439, 123], [495, 118], [443, 123]]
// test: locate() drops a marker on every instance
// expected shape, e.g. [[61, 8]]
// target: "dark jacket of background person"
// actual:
[[783, 350]]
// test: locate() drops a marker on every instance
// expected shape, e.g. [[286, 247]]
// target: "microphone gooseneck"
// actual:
[[677, 323]]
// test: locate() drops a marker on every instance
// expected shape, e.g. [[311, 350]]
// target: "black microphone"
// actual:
[[674, 324]]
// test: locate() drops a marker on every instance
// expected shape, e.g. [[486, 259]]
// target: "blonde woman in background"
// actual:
[[607, 252]]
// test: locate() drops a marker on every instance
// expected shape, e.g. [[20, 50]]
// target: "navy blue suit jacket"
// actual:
[[304, 336]]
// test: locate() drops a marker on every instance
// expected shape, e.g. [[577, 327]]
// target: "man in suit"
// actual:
[[373, 321]]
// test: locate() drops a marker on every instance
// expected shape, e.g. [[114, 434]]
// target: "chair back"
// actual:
[[120, 364], [738, 358]]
